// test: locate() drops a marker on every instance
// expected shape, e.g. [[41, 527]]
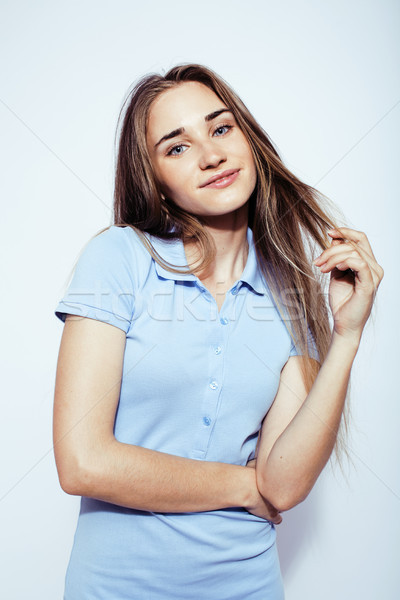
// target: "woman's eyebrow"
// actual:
[[181, 130]]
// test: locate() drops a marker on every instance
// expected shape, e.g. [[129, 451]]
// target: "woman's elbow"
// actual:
[[283, 498], [69, 484], [74, 478], [286, 502]]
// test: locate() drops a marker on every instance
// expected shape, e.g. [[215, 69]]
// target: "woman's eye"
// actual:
[[222, 129], [176, 150], [180, 148]]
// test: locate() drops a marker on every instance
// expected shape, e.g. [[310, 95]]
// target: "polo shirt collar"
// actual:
[[173, 251]]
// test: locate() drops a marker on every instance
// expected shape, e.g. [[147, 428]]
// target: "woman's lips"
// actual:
[[223, 180]]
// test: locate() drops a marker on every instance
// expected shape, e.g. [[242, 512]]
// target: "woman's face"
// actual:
[[193, 138]]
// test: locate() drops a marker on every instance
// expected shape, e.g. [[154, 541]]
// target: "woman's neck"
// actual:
[[230, 236]]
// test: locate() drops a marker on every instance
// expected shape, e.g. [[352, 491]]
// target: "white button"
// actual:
[[213, 385], [224, 321], [217, 350]]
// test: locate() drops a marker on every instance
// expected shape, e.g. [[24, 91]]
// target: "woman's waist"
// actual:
[[232, 530]]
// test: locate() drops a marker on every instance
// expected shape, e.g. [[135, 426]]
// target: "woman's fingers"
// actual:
[[350, 293], [340, 250], [362, 269], [358, 237], [352, 260], [336, 259], [330, 255]]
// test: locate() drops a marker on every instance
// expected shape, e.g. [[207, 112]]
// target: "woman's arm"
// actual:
[[91, 462], [299, 432]]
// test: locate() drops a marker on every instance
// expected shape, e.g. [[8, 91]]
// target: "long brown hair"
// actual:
[[289, 218]]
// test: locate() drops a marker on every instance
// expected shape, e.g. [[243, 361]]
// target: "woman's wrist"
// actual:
[[247, 491], [346, 342]]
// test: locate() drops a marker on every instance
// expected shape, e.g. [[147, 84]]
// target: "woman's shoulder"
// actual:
[[112, 260], [115, 253], [120, 235], [117, 241]]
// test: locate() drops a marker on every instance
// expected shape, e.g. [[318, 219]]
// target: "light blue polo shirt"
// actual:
[[197, 383]]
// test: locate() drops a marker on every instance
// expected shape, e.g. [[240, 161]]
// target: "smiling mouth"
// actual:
[[222, 180]]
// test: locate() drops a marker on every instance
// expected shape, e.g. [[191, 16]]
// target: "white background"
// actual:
[[323, 80]]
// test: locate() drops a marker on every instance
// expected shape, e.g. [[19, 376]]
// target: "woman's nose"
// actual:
[[211, 155]]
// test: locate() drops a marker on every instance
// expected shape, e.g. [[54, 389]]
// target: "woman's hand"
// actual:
[[259, 505], [355, 277]]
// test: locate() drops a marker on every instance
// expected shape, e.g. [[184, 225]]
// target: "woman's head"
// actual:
[[192, 140], [160, 104]]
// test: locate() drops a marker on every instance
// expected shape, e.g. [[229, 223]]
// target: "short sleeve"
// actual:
[[102, 285], [312, 348]]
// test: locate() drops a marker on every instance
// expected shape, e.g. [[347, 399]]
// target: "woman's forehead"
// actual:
[[183, 105]]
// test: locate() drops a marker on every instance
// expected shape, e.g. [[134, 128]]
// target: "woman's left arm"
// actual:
[[299, 431]]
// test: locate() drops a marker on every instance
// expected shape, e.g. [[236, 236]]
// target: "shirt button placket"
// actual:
[[213, 394]]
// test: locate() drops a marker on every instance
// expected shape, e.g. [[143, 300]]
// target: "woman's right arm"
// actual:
[[91, 462]]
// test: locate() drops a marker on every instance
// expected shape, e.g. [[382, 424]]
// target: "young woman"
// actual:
[[200, 386]]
